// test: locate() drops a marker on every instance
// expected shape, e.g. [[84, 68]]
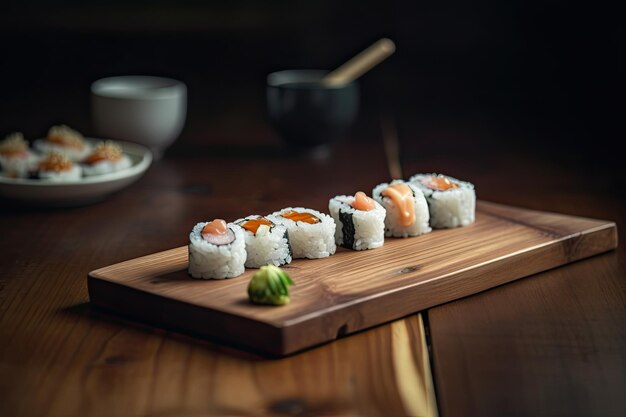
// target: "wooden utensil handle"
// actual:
[[361, 63]]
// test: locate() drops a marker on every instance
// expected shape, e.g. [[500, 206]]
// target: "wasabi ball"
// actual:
[[270, 285]]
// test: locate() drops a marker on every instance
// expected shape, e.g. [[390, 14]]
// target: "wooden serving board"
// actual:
[[351, 290]]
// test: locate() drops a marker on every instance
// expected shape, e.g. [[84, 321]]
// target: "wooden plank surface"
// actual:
[[351, 291], [560, 346], [106, 367], [60, 357], [552, 344]]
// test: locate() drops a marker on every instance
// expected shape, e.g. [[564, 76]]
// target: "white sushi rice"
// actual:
[[268, 246], [106, 166], [74, 154], [366, 229], [17, 166], [72, 174], [16, 160], [209, 261], [450, 208], [308, 240], [393, 227]]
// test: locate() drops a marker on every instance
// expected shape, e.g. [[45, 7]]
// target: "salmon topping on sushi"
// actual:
[[300, 217], [104, 151], [253, 224], [217, 233], [439, 183], [65, 136], [363, 202], [402, 197], [14, 146], [56, 162]]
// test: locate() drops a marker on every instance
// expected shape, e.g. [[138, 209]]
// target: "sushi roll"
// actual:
[[311, 233], [16, 160], [267, 243], [105, 157], [66, 141], [451, 202], [360, 221], [56, 167], [407, 211], [217, 250]]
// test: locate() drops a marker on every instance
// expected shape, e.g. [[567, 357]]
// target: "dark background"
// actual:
[[545, 78]]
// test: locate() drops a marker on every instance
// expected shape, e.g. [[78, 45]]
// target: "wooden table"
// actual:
[[549, 344]]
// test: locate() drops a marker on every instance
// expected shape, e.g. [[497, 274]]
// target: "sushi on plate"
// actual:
[[64, 140], [267, 242], [451, 202], [407, 211], [360, 221], [311, 233], [56, 167], [106, 157], [16, 159], [217, 250]]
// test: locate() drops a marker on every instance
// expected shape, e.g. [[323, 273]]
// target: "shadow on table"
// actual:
[[103, 316], [100, 315]]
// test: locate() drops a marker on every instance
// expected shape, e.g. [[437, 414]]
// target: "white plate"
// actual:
[[84, 191]]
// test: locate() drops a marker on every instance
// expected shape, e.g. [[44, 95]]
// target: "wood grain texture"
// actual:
[[351, 290], [97, 366], [552, 344], [60, 357], [545, 344]]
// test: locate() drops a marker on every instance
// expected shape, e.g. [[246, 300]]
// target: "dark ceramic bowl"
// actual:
[[307, 114]]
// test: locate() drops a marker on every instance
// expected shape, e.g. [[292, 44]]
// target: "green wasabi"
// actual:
[[270, 285]]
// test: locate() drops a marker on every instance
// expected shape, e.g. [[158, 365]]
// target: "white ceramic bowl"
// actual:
[[143, 109], [83, 191]]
